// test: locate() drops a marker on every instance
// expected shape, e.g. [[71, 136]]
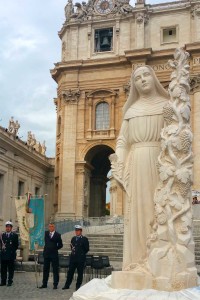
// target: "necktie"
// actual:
[[7, 235], [50, 234]]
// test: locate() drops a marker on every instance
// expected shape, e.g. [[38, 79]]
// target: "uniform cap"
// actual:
[[78, 227], [9, 223]]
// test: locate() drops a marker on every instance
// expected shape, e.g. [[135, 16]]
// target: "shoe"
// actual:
[[2, 284], [55, 287], [43, 286], [9, 284], [65, 287]]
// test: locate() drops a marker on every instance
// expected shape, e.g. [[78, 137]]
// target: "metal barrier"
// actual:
[[92, 225]]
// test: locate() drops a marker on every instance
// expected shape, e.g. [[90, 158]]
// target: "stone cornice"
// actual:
[[19, 148]]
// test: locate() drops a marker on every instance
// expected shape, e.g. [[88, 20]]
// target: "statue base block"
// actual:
[[131, 280], [141, 280]]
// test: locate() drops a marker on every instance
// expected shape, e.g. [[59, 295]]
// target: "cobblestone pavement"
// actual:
[[24, 287]]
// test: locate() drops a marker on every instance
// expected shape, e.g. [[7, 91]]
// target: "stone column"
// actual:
[[89, 40], [79, 193], [112, 128], [68, 157], [195, 89], [89, 131], [141, 19]]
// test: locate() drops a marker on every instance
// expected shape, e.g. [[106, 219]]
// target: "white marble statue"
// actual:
[[158, 246], [13, 126], [134, 164]]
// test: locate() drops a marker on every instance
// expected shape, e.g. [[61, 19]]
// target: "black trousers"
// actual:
[[79, 265], [7, 270], [55, 266]]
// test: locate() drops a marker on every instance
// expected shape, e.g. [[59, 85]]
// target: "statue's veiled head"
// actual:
[[143, 82]]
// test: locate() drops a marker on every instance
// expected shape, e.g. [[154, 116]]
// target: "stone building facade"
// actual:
[[23, 169], [102, 42]]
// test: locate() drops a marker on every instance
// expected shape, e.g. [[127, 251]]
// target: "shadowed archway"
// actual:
[[97, 158]]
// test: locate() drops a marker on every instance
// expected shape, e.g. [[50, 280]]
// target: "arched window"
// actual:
[[102, 116]]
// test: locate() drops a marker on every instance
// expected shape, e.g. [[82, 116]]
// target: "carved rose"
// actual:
[[161, 219]]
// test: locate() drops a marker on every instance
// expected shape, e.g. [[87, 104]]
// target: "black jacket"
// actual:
[[79, 248], [11, 245], [52, 245]]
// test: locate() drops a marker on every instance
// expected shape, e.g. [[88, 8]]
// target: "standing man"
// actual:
[[9, 245], [79, 248], [53, 243]]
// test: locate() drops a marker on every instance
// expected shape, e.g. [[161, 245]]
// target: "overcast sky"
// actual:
[[29, 47]]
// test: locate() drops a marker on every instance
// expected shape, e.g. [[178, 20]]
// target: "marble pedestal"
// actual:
[[100, 289], [134, 280]]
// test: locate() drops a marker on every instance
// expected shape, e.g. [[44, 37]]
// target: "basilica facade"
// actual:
[[103, 41]]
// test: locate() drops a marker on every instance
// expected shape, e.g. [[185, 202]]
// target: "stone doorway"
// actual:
[[97, 158]]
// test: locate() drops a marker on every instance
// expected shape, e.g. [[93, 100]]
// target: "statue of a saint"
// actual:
[[135, 163], [69, 10]]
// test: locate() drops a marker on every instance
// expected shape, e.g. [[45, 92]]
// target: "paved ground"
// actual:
[[24, 287]]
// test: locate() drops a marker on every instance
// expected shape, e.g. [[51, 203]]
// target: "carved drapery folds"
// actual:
[[71, 96], [171, 244]]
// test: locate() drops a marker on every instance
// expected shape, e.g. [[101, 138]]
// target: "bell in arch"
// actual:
[[105, 43]]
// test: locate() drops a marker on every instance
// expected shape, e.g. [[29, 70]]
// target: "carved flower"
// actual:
[[176, 93], [161, 219], [184, 229]]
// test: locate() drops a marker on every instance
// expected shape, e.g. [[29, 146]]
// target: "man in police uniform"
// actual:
[[79, 248], [9, 245], [53, 243]]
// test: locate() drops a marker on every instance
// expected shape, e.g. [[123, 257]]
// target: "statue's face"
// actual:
[[144, 82]]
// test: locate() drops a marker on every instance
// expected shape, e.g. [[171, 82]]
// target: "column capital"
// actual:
[[195, 83], [71, 96]]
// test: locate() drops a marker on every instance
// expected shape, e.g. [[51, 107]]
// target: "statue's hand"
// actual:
[[117, 168]]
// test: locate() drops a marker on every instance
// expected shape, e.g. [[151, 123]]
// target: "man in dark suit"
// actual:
[[79, 248], [9, 246], [53, 243]]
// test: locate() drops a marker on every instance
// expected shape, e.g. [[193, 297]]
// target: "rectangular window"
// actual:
[[37, 191], [103, 40], [20, 188], [169, 35]]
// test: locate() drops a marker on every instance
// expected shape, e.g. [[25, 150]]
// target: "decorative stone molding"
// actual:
[[142, 18], [3, 151], [87, 11], [71, 96], [195, 83], [195, 11], [126, 88]]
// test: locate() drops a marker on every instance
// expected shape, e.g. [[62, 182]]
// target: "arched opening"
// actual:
[[98, 159]]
